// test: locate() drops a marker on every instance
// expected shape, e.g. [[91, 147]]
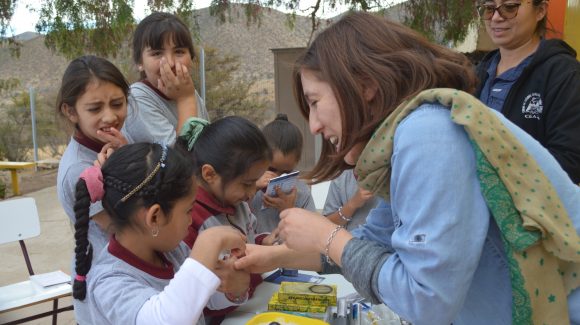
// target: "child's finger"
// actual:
[[161, 86], [179, 73], [166, 74]]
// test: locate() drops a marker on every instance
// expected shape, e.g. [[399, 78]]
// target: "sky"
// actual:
[[24, 20]]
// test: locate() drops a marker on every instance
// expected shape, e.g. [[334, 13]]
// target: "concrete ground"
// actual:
[[50, 251]]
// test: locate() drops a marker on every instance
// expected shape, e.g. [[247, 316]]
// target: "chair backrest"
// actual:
[[18, 220]]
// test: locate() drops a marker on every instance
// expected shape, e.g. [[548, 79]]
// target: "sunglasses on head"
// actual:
[[506, 10]]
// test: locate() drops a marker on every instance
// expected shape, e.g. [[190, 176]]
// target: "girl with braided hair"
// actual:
[[93, 100], [146, 274]]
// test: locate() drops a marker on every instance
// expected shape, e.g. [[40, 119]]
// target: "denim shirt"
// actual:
[[448, 264], [496, 88]]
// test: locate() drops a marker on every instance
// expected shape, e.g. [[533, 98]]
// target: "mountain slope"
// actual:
[[40, 68]]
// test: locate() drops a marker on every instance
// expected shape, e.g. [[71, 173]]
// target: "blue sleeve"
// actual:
[[379, 225], [440, 217]]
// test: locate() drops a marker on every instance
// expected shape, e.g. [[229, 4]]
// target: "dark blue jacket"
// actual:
[[545, 101]]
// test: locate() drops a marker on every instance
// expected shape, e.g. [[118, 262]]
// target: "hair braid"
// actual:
[[117, 184], [83, 249]]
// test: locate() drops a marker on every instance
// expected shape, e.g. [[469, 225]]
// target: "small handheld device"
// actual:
[[285, 181]]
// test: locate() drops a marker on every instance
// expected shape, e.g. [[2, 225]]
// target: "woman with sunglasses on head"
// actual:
[[532, 81]]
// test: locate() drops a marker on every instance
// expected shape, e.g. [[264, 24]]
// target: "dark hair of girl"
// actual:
[[123, 171], [80, 73], [351, 56], [284, 136], [231, 145], [156, 29]]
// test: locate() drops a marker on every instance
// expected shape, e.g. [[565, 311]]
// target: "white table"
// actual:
[[259, 302]]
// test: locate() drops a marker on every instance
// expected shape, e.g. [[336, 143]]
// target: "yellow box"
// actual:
[[275, 305], [309, 293], [283, 319]]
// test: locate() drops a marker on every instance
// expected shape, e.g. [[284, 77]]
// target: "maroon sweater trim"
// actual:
[[125, 255], [207, 199], [204, 207], [81, 138]]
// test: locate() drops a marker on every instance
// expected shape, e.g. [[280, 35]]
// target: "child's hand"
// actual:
[[102, 156], [233, 281], [114, 138], [360, 198], [176, 85], [262, 182], [212, 241], [282, 201], [272, 238]]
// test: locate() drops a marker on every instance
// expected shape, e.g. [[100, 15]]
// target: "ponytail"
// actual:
[[83, 249]]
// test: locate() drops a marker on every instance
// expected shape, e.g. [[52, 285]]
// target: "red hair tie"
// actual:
[[94, 179]]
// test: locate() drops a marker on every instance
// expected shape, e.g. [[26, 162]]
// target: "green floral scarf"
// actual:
[[540, 241]]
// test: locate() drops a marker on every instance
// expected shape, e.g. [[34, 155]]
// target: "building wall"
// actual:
[[556, 17], [572, 24], [285, 103]]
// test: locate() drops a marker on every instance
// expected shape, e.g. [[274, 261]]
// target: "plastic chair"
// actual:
[[19, 220]]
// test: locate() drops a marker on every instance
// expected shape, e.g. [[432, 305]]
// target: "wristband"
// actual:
[[342, 216], [328, 242]]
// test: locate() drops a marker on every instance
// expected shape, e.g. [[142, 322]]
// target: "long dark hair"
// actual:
[[364, 49], [123, 171]]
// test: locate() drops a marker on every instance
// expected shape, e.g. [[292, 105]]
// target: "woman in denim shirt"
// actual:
[[474, 211]]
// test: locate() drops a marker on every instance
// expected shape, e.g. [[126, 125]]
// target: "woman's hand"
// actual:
[[233, 281], [259, 258], [303, 230], [176, 85], [282, 201]]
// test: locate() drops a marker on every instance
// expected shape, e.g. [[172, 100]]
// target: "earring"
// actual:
[[155, 232], [140, 68]]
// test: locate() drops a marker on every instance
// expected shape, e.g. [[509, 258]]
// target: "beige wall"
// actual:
[[572, 25], [285, 102]]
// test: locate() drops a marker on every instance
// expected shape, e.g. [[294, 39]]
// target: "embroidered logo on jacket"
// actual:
[[533, 106]]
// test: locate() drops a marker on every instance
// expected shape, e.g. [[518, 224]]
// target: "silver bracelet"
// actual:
[[342, 216], [328, 242]]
